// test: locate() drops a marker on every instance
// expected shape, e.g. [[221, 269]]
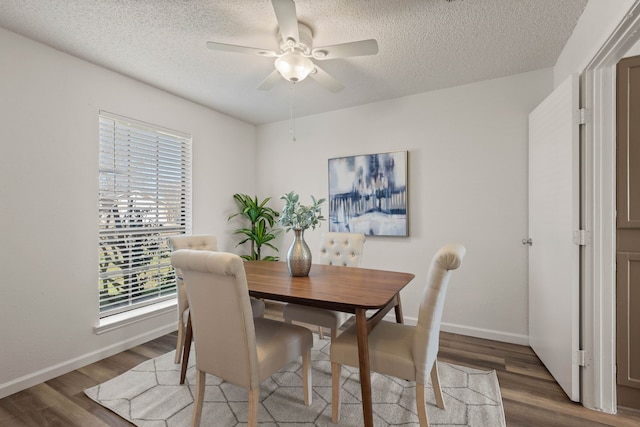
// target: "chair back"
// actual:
[[221, 315], [425, 341], [201, 242], [343, 249]]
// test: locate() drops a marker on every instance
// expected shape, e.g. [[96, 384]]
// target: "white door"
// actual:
[[554, 257]]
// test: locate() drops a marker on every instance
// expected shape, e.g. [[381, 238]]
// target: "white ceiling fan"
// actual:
[[294, 60]]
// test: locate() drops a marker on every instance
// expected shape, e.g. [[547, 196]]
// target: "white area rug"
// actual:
[[150, 395]]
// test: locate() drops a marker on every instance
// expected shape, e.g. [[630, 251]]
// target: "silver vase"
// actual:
[[299, 256]]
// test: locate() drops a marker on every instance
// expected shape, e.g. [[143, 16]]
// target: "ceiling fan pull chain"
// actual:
[[292, 111]]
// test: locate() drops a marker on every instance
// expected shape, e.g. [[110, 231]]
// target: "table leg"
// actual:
[[399, 317], [187, 349], [365, 368]]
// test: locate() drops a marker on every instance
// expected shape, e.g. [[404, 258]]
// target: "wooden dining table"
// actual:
[[347, 289]]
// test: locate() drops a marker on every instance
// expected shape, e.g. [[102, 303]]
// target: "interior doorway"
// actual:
[[628, 232], [598, 195]]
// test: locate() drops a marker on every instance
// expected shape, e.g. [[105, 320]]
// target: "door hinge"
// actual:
[[582, 116], [580, 358], [581, 237]]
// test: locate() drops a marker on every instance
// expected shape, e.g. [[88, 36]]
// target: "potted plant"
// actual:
[[298, 217], [260, 232]]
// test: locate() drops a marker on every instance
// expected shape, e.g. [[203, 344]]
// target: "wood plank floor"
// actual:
[[531, 396]]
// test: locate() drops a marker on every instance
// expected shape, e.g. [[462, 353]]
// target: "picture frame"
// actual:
[[368, 194]]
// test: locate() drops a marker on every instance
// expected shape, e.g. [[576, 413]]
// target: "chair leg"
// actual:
[[306, 378], [186, 350], [435, 382], [334, 333], [421, 405], [180, 341], [197, 404], [321, 332], [335, 392], [254, 400]]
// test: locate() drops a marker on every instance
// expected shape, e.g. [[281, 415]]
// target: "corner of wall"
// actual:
[[596, 24]]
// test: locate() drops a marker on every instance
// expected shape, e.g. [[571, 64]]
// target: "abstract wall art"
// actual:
[[368, 194]]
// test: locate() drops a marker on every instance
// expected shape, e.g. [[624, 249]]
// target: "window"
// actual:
[[144, 197]]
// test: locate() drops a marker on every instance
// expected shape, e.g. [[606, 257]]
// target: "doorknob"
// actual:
[[527, 241]]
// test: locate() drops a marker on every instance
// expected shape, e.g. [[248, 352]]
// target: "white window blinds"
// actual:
[[144, 197]]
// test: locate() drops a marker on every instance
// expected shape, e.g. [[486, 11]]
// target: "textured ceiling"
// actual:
[[423, 45]]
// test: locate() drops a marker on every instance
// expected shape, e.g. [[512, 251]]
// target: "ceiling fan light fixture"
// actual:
[[294, 67]]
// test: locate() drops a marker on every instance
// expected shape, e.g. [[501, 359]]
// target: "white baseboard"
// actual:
[[487, 334], [54, 371]]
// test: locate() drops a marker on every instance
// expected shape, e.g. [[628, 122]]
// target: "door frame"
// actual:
[[598, 158]]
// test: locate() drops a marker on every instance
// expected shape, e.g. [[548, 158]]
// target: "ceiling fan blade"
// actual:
[[270, 80], [344, 50], [287, 20], [325, 80], [241, 49]]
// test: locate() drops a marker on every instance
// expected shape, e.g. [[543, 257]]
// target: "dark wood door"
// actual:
[[628, 232]]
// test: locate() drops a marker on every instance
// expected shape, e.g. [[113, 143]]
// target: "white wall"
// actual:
[[49, 104], [467, 183]]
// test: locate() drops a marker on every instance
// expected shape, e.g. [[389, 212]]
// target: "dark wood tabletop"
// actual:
[[328, 286]]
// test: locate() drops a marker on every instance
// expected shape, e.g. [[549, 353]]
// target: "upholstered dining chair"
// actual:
[[343, 249], [230, 343], [201, 242], [404, 351]]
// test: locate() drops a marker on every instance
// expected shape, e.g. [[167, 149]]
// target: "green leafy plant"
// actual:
[[262, 219], [300, 217]]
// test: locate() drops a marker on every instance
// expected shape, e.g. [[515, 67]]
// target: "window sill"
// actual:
[[121, 320]]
